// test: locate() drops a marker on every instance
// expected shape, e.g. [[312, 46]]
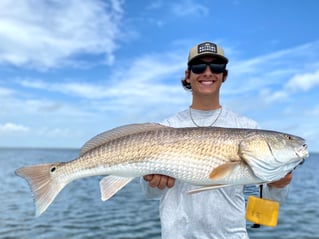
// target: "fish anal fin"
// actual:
[[223, 170], [110, 185]]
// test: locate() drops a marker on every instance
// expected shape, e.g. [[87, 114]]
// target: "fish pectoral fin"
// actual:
[[207, 188], [110, 185], [223, 170]]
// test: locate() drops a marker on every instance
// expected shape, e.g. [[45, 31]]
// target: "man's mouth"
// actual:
[[206, 82]]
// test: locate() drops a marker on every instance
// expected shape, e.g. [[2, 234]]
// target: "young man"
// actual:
[[217, 213]]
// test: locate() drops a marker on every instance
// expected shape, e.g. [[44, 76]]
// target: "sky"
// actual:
[[72, 69]]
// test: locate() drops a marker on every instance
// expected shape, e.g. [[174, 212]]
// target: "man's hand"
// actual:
[[159, 181], [281, 182]]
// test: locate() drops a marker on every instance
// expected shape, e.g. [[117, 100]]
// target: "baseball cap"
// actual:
[[206, 49]]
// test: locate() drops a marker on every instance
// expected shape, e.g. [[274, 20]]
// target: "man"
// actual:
[[217, 213]]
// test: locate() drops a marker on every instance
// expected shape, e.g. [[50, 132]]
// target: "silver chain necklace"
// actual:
[[191, 116]]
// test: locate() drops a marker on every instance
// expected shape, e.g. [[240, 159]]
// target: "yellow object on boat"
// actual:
[[262, 211]]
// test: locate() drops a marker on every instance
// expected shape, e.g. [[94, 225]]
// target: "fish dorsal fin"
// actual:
[[116, 133]]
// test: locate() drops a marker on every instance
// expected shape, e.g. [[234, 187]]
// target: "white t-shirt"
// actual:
[[218, 213]]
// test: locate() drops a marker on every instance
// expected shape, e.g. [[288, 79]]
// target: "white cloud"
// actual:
[[84, 90], [127, 83], [147, 88], [13, 128], [297, 83], [270, 96], [154, 5], [275, 76], [159, 82], [189, 8], [303, 81], [5, 92], [46, 33], [181, 8]]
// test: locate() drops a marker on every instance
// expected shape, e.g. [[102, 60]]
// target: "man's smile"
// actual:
[[207, 82]]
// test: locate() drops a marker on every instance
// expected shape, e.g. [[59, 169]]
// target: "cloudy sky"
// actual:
[[71, 69]]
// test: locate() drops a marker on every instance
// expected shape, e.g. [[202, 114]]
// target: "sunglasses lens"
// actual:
[[199, 68], [217, 68], [214, 67]]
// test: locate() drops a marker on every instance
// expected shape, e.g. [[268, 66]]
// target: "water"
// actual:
[[78, 211]]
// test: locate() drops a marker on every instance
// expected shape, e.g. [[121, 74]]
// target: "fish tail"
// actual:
[[44, 183]]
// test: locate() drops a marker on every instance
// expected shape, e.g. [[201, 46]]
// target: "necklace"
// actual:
[[191, 116]]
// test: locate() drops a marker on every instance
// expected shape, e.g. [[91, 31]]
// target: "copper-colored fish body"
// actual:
[[207, 156]]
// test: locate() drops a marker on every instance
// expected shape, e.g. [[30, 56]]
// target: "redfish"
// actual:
[[210, 157]]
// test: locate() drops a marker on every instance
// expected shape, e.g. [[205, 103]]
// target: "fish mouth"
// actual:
[[300, 163], [302, 152]]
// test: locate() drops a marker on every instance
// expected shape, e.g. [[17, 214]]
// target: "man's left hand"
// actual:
[[281, 182]]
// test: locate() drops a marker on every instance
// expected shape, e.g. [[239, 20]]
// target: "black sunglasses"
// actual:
[[214, 67]]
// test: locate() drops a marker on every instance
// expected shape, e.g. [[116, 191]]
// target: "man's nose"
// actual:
[[208, 71]]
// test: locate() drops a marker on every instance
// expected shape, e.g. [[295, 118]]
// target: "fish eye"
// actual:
[[52, 170]]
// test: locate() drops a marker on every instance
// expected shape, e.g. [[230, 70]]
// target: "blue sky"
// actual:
[[71, 69]]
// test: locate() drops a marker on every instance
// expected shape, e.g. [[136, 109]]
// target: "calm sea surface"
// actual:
[[78, 212]]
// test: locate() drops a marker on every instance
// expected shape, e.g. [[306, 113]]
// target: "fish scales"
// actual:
[[187, 153], [210, 157]]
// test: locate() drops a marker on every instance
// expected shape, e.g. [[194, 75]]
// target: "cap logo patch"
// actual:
[[207, 47]]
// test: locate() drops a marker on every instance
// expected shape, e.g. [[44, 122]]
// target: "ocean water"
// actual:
[[78, 212]]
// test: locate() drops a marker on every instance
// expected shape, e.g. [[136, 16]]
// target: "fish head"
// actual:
[[286, 148], [271, 155]]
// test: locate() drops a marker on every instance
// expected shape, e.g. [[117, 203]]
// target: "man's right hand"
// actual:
[[160, 181]]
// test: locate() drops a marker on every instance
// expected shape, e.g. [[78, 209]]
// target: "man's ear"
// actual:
[[187, 75], [225, 74]]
